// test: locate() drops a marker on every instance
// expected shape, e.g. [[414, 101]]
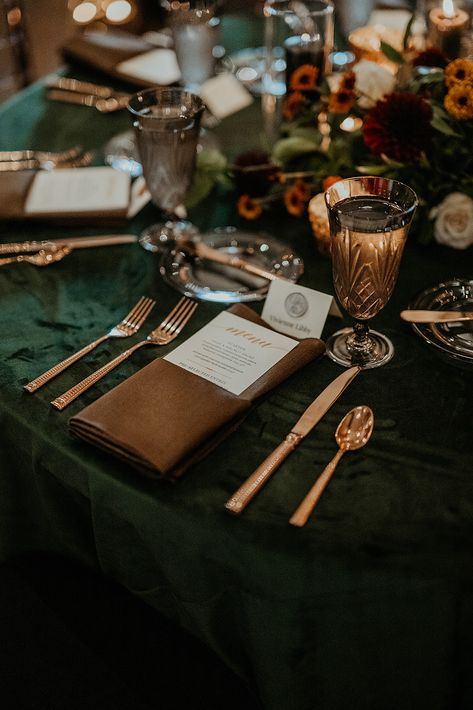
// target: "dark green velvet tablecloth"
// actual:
[[369, 605]]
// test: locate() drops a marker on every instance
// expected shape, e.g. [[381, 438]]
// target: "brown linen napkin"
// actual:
[[106, 50], [164, 418]]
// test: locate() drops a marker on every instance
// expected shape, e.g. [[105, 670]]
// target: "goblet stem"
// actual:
[[360, 345]]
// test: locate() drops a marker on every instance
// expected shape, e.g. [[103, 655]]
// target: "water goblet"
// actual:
[[167, 124], [369, 221]]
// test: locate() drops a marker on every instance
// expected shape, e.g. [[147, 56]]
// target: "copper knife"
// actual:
[[203, 251], [312, 415], [412, 316], [72, 242]]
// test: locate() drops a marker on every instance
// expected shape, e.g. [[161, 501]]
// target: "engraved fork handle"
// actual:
[[63, 365], [64, 399], [262, 474], [307, 505]]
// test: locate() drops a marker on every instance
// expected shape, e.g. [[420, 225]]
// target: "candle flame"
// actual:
[[448, 8]]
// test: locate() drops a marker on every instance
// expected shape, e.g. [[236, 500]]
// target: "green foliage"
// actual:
[[392, 54]]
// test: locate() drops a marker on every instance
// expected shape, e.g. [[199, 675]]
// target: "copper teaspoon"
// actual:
[[352, 433]]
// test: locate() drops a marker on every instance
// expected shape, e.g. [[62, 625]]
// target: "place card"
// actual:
[[79, 191], [297, 310], [159, 66], [224, 95], [231, 352]]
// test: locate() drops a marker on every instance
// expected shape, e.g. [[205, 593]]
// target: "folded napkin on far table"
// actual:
[[164, 418]]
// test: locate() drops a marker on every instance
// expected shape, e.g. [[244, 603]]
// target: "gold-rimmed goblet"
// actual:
[[167, 124], [369, 221]]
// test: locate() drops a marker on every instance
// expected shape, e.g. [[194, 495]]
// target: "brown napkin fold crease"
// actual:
[[164, 418]]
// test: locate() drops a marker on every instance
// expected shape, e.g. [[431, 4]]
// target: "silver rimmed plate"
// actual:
[[453, 340], [208, 281]]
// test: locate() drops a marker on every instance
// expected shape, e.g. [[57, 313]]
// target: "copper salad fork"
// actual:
[[128, 326], [166, 332]]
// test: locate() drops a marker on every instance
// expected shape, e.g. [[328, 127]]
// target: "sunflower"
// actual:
[[341, 101], [292, 105], [295, 204], [460, 71], [248, 208], [459, 101], [398, 126], [304, 78]]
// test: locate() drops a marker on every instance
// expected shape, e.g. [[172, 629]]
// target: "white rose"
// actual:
[[372, 82], [454, 221]]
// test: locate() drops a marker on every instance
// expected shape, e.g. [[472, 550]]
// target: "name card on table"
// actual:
[[224, 95], [297, 310], [159, 66], [231, 352], [79, 192]]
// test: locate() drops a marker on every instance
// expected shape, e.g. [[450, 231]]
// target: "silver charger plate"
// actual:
[[208, 281], [454, 340]]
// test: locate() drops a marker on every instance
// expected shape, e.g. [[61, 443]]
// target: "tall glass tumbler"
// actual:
[[167, 124], [369, 221], [298, 33], [196, 33]]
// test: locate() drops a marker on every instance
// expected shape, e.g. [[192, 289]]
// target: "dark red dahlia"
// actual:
[[398, 126], [431, 57]]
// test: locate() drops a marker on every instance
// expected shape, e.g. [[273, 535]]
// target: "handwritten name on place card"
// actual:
[[231, 352]]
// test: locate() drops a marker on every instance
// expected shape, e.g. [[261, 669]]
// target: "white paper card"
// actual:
[[296, 310], [225, 95], [158, 66], [231, 352], [139, 197], [78, 190]]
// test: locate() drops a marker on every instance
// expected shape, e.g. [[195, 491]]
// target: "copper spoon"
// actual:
[[352, 433], [44, 257]]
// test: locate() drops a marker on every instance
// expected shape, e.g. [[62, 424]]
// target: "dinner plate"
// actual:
[[208, 281], [453, 340]]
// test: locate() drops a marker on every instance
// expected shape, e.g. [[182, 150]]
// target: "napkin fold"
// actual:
[[163, 419]]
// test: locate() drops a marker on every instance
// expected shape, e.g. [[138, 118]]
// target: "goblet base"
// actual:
[[338, 348], [162, 236]]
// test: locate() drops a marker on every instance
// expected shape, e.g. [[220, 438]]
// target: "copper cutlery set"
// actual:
[[16, 160], [83, 93]]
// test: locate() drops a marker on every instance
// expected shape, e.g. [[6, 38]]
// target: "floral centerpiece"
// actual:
[[415, 126]]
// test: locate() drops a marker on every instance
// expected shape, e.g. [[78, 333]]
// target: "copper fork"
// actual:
[[166, 332], [128, 326]]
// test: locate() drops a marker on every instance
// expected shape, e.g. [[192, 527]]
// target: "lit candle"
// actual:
[[447, 26], [351, 124]]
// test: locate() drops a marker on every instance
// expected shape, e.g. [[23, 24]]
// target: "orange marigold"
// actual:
[[248, 208], [304, 78], [302, 188], [459, 102], [292, 105], [348, 81], [295, 205], [330, 180], [341, 101], [460, 71]]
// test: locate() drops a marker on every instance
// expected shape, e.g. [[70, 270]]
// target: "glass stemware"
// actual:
[[369, 221], [167, 123]]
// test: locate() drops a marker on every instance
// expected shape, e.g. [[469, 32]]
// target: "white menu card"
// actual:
[[231, 352]]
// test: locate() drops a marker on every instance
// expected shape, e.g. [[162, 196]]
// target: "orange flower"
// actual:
[[292, 105], [341, 101], [460, 71], [302, 188], [248, 208], [459, 102], [348, 81], [330, 180], [304, 78], [295, 205]]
